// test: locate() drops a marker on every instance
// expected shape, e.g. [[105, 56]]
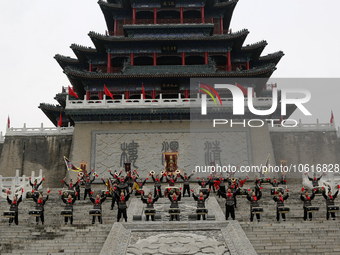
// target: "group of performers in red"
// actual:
[[120, 187]]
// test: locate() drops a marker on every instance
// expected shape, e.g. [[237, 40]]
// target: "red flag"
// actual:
[[143, 91], [8, 122], [243, 89], [60, 122], [107, 92], [71, 92], [332, 117]]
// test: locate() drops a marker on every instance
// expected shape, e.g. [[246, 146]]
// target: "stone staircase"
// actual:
[[54, 237], [294, 236]]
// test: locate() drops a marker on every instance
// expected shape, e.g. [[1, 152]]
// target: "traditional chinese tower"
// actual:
[[155, 46]]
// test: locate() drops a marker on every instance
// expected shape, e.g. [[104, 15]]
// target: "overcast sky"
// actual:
[[32, 32]]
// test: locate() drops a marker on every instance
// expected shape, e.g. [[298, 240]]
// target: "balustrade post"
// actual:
[[16, 178], [1, 185]]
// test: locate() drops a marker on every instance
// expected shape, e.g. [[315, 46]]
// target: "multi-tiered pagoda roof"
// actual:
[[160, 44]]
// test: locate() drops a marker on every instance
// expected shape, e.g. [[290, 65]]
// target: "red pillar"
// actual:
[[90, 67], [154, 58], [221, 25], [134, 15], [88, 95], [153, 94], [181, 14], [155, 15], [183, 58], [127, 94], [247, 65], [115, 27], [108, 68], [100, 94], [131, 57], [228, 61], [186, 93], [205, 57], [202, 13]]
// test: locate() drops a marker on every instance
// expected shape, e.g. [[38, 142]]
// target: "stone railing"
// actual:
[[2, 138], [108, 103], [301, 127], [39, 131], [16, 184]]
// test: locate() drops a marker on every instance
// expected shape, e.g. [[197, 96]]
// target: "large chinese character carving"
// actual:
[[133, 153], [129, 153], [212, 153]]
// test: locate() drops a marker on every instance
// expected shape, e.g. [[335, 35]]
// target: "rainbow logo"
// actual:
[[207, 89]]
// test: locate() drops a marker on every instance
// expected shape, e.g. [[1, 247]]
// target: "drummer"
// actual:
[[36, 185], [230, 202], [200, 203], [138, 186], [186, 185], [279, 199], [203, 184], [307, 201], [253, 198], [274, 183], [314, 180], [174, 198], [14, 207], [222, 185], [149, 204], [97, 205], [158, 186], [122, 206], [171, 179], [88, 183], [69, 205], [330, 201], [40, 203]]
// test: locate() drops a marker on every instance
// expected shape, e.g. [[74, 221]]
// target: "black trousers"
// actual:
[[87, 192], [186, 188], [252, 216], [41, 217], [211, 185], [16, 219], [229, 210], [278, 215], [114, 200], [305, 214], [331, 213], [71, 219], [172, 217], [99, 219], [152, 217], [221, 190], [120, 212], [155, 192], [78, 196], [199, 216]]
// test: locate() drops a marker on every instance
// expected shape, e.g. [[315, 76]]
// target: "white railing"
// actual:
[[39, 130], [2, 138], [301, 127], [157, 103], [16, 184]]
